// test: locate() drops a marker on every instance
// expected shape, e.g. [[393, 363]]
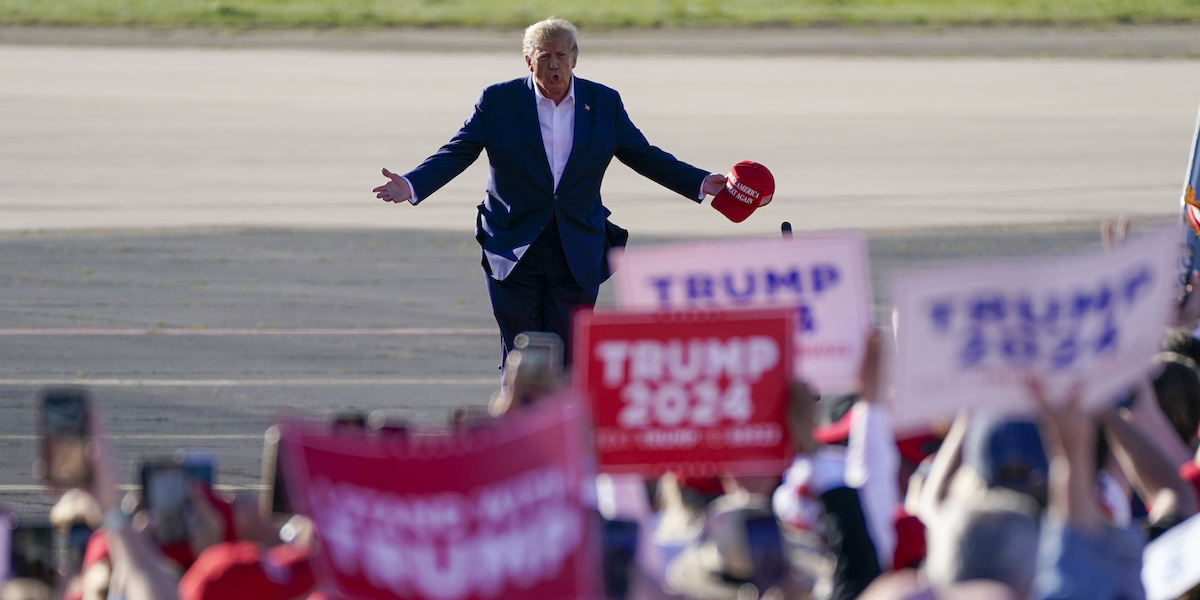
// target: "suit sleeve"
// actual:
[[654, 163], [453, 158]]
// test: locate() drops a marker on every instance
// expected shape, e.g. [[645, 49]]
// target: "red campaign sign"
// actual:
[[494, 512], [697, 393]]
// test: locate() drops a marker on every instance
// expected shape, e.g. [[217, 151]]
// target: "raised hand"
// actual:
[[870, 373], [1069, 434], [802, 417]]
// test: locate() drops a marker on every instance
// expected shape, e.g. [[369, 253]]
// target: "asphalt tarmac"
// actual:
[[202, 339], [112, 137], [188, 230]]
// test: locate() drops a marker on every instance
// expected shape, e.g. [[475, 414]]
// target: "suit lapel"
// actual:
[[583, 123], [532, 128]]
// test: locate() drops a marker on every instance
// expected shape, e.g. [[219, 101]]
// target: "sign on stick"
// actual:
[[493, 512], [1169, 565], [971, 336], [823, 277], [696, 393]]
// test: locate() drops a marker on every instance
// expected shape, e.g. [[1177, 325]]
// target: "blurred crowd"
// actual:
[[1055, 505]]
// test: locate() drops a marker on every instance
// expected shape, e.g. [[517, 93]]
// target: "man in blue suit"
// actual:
[[549, 137]]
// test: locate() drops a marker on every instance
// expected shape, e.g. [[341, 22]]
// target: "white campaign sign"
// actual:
[[971, 336], [1169, 565], [824, 276]]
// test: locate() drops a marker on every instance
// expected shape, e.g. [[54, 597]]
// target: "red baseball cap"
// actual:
[[748, 186], [919, 446], [834, 418], [97, 549], [243, 570]]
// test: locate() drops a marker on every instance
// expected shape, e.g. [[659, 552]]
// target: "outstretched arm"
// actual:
[[946, 462], [1069, 435], [1154, 476], [145, 578]]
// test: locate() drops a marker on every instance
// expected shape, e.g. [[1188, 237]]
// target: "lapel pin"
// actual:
[[586, 107]]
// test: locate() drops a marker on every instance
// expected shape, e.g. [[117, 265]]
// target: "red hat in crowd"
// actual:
[[919, 446], [748, 186], [231, 571], [96, 550], [834, 418], [1190, 472]]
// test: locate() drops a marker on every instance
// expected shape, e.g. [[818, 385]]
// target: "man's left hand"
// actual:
[[713, 184]]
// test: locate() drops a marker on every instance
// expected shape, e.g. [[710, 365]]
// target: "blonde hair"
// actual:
[[549, 29]]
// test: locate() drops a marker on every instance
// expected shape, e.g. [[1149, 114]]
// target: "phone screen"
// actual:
[[766, 548], [33, 552], [75, 546], [64, 428], [165, 494], [201, 465], [544, 350], [620, 545]]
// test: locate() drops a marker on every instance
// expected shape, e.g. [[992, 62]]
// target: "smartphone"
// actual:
[[766, 549], [64, 426], [201, 464], [541, 349], [274, 501], [74, 547], [166, 497], [32, 552], [620, 545]]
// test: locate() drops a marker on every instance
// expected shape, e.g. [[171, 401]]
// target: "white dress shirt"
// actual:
[[557, 123]]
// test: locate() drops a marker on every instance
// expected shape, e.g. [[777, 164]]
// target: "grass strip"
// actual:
[[243, 14]]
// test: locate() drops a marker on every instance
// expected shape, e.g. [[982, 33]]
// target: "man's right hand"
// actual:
[[395, 190]]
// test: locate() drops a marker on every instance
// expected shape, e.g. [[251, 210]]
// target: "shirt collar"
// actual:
[[538, 96]]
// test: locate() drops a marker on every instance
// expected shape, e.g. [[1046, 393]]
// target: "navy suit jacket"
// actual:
[[520, 191]]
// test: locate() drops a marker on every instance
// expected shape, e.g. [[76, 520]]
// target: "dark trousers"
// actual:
[[540, 294]]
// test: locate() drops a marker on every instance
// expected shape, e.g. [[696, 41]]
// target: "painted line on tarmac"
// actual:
[[401, 331], [328, 382], [32, 488]]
